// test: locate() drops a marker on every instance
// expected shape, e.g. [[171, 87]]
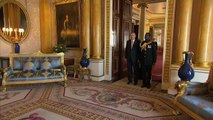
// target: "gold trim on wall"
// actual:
[[168, 39], [107, 33]]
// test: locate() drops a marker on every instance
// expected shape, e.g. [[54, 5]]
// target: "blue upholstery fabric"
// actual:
[[51, 75], [17, 63], [35, 68], [31, 65], [36, 63], [20, 76], [28, 75], [197, 90], [46, 65], [201, 105], [55, 62]]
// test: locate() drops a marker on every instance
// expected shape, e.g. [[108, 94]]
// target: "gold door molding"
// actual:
[[169, 25], [107, 35]]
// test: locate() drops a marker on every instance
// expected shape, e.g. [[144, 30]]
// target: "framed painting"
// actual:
[[67, 19]]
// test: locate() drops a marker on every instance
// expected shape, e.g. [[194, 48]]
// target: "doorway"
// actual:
[[126, 19], [155, 14]]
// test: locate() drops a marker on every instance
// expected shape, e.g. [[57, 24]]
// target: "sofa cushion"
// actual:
[[199, 90], [201, 105], [51, 75], [28, 74], [38, 75], [21, 76]]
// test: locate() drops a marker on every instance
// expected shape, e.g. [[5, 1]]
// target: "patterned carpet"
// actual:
[[86, 100]]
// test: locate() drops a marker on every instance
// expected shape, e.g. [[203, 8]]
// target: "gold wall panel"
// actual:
[[168, 41], [107, 34]]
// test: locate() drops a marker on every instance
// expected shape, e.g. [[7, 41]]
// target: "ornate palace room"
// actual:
[[106, 59]]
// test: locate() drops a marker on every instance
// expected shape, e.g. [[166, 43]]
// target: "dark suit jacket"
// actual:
[[132, 54], [149, 55]]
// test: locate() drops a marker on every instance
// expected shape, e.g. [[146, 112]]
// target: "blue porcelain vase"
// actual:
[[17, 48], [186, 72], [84, 60]]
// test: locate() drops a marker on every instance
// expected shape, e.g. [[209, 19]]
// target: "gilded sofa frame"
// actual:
[[37, 54], [182, 90]]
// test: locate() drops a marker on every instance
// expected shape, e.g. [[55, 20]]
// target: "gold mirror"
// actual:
[[14, 21]]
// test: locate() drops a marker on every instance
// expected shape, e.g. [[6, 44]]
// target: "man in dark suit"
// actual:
[[148, 56], [132, 56]]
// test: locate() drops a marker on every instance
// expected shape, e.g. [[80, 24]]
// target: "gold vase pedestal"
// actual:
[[81, 72]]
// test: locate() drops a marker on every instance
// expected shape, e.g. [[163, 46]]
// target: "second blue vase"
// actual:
[[186, 72], [17, 48], [84, 60]]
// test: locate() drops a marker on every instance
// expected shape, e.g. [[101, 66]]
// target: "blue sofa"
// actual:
[[196, 99], [35, 68]]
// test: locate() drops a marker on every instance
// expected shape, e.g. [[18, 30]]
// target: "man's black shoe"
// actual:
[[143, 86], [135, 83], [129, 82], [148, 86]]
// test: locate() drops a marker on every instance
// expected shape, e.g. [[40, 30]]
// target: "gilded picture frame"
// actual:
[[68, 24]]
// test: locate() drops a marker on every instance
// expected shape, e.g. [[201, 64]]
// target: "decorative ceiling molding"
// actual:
[[157, 21], [147, 1], [157, 7], [154, 12]]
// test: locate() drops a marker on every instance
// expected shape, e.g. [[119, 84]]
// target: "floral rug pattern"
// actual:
[[87, 100], [120, 101]]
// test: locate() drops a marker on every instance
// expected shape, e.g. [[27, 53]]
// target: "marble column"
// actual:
[[96, 62], [45, 26], [86, 26], [205, 37], [183, 30], [96, 29], [142, 21]]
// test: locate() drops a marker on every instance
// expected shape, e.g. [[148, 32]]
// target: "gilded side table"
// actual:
[[83, 72]]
